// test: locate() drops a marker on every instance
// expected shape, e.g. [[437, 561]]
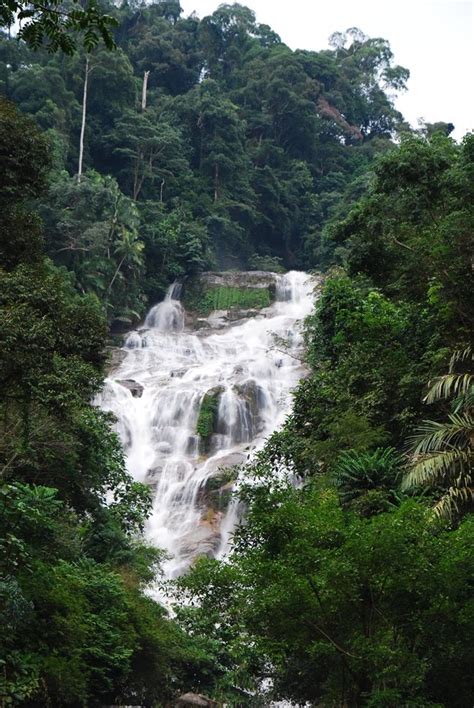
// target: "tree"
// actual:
[[77, 626], [150, 153], [93, 229], [25, 162], [366, 72], [334, 608], [414, 227], [87, 72], [55, 26]]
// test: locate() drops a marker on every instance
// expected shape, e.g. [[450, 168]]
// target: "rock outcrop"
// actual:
[[239, 279], [195, 700], [229, 292], [135, 388]]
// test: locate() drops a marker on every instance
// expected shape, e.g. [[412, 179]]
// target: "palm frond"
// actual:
[[460, 355], [431, 469], [450, 505], [449, 385], [433, 436], [443, 452]]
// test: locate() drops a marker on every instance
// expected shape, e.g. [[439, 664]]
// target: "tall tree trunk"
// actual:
[[216, 182], [117, 271], [83, 124], [144, 88]]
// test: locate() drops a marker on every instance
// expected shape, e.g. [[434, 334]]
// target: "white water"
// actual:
[[176, 367]]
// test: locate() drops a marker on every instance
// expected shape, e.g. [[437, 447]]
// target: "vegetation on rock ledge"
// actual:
[[204, 299], [207, 418]]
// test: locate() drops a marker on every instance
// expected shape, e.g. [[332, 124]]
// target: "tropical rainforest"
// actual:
[[157, 146]]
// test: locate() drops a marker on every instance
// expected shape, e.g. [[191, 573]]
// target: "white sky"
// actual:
[[434, 39]]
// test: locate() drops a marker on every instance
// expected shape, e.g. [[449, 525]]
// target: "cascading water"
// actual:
[[158, 391]]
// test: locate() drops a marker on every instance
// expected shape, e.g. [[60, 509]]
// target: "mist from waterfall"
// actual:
[[251, 366]]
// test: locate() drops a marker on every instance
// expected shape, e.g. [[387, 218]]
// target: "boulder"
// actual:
[[115, 356], [215, 493], [239, 279], [254, 395], [205, 539], [134, 387], [190, 700]]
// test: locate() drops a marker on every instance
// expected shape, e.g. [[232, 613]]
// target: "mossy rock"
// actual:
[[218, 489], [206, 424], [221, 479], [203, 298]]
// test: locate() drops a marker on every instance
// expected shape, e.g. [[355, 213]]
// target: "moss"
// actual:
[[218, 490], [207, 418], [204, 299], [223, 478]]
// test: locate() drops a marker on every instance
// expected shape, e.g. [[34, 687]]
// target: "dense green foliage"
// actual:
[[77, 627], [238, 152], [347, 589], [337, 608], [209, 143]]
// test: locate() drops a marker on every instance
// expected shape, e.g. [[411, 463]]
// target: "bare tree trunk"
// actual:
[[83, 124], [137, 178], [144, 88], [216, 182], [117, 270]]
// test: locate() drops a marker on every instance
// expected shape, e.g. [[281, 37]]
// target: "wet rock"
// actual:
[[216, 492], [178, 373], [134, 387], [133, 341], [217, 465], [115, 356], [205, 539], [163, 447], [239, 279], [217, 319], [254, 394], [195, 700], [238, 316], [239, 415], [153, 474], [192, 446]]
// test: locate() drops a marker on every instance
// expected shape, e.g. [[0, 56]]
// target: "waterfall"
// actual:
[[245, 370], [168, 315]]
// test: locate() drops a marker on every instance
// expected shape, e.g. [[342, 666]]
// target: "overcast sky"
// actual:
[[434, 39]]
